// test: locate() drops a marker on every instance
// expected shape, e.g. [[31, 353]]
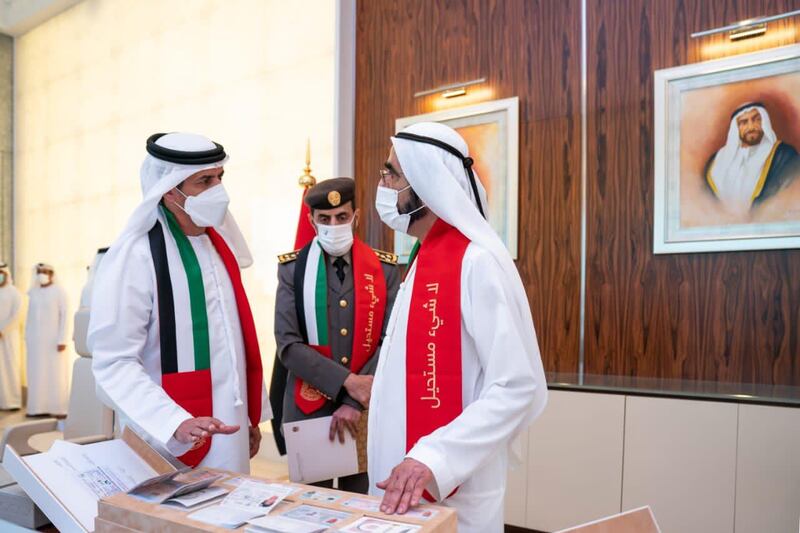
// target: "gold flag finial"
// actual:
[[307, 180]]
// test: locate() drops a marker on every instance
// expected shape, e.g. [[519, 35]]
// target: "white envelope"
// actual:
[[313, 457]]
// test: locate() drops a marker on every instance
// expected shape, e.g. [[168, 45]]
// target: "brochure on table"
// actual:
[[67, 481]]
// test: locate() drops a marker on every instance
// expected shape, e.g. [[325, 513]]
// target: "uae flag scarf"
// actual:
[[183, 321]]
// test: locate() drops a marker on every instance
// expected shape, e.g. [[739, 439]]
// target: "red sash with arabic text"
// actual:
[[369, 289], [433, 340]]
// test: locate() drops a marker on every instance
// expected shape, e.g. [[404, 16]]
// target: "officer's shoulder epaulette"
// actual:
[[386, 257], [287, 258]]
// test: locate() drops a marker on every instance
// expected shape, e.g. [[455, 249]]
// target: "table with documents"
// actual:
[[125, 485], [335, 510]]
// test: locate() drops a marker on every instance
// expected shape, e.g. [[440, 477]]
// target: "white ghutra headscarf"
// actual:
[[453, 192], [35, 283], [157, 178]]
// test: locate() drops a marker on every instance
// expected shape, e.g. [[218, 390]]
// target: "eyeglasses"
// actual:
[[389, 174]]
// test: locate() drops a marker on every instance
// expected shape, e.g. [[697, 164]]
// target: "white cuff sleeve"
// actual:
[[177, 448], [443, 481], [166, 434]]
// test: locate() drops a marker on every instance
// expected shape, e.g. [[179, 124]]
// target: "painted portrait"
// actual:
[[727, 172], [491, 130]]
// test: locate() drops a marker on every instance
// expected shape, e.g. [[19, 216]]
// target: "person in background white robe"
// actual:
[[124, 332], [46, 345], [503, 382], [10, 300]]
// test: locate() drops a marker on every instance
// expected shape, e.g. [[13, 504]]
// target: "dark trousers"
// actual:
[[358, 483]]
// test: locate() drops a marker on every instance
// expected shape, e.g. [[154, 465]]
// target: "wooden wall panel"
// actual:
[[729, 316], [524, 48], [722, 316]]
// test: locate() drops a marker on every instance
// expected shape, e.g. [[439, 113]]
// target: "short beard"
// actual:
[[744, 140], [414, 203]]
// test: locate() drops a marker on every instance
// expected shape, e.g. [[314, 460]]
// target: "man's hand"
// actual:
[[200, 428], [359, 388], [62, 347], [344, 418], [255, 440], [405, 486]]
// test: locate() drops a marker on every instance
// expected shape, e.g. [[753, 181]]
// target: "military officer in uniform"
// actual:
[[333, 302]]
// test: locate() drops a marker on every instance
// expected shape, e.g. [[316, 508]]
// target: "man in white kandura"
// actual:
[[10, 388], [459, 374], [171, 332], [46, 345]]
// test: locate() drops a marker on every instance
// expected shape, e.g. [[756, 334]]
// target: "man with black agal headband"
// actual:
[[171, 333], [459, 373]]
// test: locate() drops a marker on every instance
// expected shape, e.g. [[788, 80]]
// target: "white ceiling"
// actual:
[[19, 16]]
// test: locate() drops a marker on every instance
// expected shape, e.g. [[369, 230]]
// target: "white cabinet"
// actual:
[[575, 460], [702, 466], [680, 458], [768, 470]]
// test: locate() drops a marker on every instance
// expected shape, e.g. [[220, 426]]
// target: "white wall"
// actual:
[[95, 81]]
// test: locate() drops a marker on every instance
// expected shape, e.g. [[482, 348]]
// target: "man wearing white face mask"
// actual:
[[460, 374], [45, 342], [172, 336], [333, 301]]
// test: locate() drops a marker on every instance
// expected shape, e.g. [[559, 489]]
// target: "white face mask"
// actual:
[[43, 279], [335, 240], [386, 205], [208, 208]]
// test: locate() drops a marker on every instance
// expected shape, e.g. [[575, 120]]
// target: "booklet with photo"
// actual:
[[254, 495], [195, 498], [317, 515], [373, 505], [364, 503], [179, 484], [250, 500], [320, 496]]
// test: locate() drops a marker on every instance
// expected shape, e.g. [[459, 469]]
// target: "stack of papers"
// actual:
[[250, 500]]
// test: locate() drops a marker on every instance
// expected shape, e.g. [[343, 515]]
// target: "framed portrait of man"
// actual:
[[727, 169], [491, 130]]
